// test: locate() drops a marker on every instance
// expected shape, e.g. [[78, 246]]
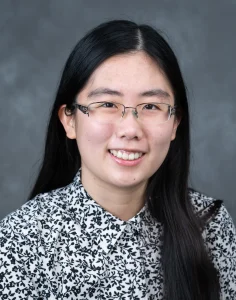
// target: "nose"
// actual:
[[134, 111], [128, 126]]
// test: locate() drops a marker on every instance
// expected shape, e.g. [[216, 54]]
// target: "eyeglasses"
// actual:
[[110, 112]]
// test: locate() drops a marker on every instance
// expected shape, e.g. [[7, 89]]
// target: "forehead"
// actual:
[[131, 73]]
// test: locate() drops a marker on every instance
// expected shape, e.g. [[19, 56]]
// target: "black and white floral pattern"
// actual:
[[63, 245]]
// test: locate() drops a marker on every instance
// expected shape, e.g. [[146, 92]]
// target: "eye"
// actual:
[[108, 105], [151, 106]]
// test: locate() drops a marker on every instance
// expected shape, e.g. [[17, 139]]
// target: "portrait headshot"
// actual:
[[118, 150]]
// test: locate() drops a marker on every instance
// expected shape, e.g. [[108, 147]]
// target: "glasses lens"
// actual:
[[148, 113], [153, 113], [105, 112]]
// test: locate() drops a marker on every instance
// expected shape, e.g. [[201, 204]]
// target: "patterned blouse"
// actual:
[[63, 245]]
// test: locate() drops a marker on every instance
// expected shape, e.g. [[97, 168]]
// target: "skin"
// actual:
[[118, 188]]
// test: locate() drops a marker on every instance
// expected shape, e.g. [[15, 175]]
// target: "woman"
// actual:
[[111, 215]]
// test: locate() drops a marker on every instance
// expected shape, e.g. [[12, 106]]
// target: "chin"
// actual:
[[128, 180]]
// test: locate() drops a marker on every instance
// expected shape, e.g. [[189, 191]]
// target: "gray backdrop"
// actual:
[[35, 40]]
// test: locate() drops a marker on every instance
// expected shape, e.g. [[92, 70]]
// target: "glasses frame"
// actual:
[[85, 109]]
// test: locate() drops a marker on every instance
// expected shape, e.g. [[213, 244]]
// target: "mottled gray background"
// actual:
[[35, 40]]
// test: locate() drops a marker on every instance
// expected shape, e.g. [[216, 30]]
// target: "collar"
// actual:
[[95, 222]]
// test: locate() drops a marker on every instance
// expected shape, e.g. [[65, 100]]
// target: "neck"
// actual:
[[123, 203]]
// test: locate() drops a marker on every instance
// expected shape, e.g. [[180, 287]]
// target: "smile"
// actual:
[[126, 155]]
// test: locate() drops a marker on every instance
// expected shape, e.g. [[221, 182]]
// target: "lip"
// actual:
[[128, 163]]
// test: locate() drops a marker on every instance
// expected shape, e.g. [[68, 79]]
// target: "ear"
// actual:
[[68, 122], [175, 127]]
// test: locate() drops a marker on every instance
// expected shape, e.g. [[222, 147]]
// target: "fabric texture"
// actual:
[[63, 245]]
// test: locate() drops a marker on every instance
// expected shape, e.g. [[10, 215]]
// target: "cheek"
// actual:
[[161, 137], [93, 134]]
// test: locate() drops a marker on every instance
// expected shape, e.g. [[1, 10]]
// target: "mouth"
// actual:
[[126, 155]]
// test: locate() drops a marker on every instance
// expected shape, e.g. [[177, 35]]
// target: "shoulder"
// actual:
[[220, 240], [206, 207], [27, 238], [201, 201], [25, 223], [43, 216], [214, 211]]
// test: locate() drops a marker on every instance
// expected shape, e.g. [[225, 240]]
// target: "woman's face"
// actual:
[[129, 76]]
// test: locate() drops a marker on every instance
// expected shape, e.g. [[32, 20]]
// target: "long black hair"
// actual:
[[188, 272]]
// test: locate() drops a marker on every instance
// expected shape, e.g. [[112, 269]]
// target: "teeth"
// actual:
[[125, 155], [131, 156]]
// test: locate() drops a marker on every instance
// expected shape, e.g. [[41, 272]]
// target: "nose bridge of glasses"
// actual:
[[134, 111]]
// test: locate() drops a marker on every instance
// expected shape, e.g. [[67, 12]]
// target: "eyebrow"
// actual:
[[102, 91], [156, 92], [106, 91]]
